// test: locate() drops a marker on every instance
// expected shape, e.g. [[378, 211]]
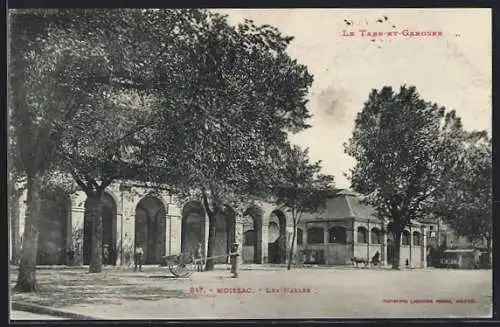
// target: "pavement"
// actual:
[[23, 315], [275, 293]]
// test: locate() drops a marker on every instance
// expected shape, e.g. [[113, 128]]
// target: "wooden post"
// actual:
[[234, 259]]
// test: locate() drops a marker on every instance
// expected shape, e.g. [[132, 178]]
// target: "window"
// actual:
[[376, 236], [299, 236], [431, 228], [405, 237], [315, 235], [362, 235], [249, 238], [416, 239], [337, 235]]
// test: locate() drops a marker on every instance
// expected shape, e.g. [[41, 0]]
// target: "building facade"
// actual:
[[348, 229], [134, 215]]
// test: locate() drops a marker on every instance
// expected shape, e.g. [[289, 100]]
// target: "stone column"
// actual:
[[119, 239], [401, 262], [384, 246], [369, 242], [354, 237], [77, 225], [238, 231], [423, 247], [174, 232], [264, 240], [127, 223], [411, 246]]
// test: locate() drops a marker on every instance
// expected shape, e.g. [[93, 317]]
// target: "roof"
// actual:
[[344, 204]]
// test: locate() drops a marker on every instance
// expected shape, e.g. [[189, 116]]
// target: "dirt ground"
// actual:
[[272, 293]]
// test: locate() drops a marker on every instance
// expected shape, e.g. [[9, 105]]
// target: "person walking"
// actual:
[[138, 256]]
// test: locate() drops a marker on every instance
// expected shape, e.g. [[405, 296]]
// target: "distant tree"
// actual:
[[406, 151], [466, 203], [241, 95], [300, 187]]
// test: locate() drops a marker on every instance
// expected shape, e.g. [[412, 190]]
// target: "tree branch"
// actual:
[[205, 203], [79, 181]]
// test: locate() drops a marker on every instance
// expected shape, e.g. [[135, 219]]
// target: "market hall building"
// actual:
[[133, 215]]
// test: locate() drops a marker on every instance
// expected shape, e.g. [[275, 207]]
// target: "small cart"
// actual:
[[184, 264], [181, 265]]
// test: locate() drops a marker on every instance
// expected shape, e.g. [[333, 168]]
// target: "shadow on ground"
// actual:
[[60, 289]]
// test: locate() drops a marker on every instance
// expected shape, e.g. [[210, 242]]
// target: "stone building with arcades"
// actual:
[[133, 214]]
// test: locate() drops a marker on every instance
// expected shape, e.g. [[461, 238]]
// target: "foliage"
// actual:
[[97, 84], [466, 204], [407, 150], [300, 187], [239, 95]]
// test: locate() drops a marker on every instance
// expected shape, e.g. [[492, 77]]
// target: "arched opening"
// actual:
[[417, 239], [433, 256], [225, 229], [249, 238], [109, 214], [150, 229], [277, 237], [54, 227], [192, 227], [337, 234], [315, 235], [376, 236], [362, 235], [405, 238], [252, 232]]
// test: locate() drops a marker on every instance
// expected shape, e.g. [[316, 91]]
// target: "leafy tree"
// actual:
[[108, 138], [36, 118], [407, 150], [466, 203], [241, 93], [300, 187], [75, 67]]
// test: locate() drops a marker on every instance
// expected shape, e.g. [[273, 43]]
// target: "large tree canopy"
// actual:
[[240, 94], [407, 150], [83, 85]]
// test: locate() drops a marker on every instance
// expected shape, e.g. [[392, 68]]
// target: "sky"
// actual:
[[453, 69]]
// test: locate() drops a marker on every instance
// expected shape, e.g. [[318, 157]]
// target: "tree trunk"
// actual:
[[94, 209], [211, 241], [488, 250], [397, 249], [290, 256], [26, 281], [14, 222]]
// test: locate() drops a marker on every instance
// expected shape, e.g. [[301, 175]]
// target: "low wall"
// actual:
[[367, 251], [416, 256]]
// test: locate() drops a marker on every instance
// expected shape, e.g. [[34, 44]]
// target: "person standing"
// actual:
[[138, 256], [105, 254], [198, 256]]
